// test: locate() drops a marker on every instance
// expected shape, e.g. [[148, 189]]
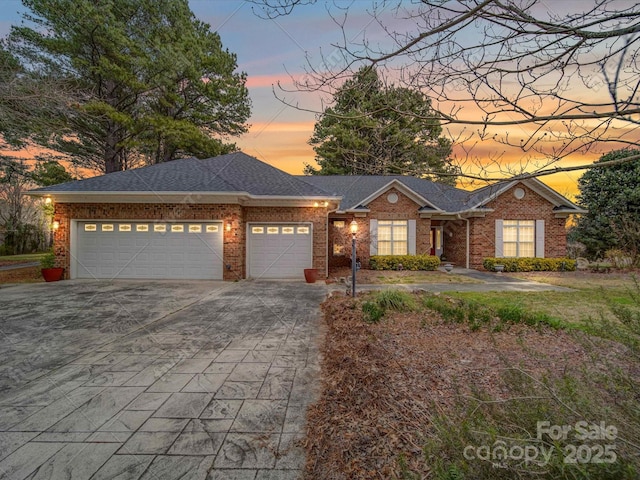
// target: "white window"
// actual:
[[518, 238], [195, 228], [257, 230], [273, 230], [303, 230], [287, 230], [161, 227], [107, 227], [90, 227], [212, 228], [142, 228], [177, 228], [124, 227], [392, 237]]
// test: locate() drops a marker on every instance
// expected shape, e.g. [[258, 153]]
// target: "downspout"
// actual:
[[468, 235]]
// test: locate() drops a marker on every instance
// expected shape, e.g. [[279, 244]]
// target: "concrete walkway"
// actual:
[[157, 380], [490, 282]]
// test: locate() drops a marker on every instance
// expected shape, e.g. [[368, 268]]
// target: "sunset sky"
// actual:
[[272, 51]]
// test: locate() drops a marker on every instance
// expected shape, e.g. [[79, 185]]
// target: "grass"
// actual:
[[592, 297], [24, 258]]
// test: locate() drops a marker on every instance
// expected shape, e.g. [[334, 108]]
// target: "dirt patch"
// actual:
[[21, 275], [383, 384]]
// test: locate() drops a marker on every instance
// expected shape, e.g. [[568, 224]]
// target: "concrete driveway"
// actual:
[[156, 380]]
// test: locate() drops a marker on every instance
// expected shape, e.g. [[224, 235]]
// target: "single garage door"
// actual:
[[182, 250], [279, 251]]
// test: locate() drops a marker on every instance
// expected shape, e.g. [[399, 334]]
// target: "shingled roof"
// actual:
[[356, 189], [233, 173], [240, 174]]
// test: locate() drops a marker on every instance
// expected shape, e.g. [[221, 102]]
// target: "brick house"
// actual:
[[233, 217]]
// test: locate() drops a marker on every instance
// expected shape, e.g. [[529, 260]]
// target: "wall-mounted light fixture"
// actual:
[[55, 225], [47, 201], [228, 227]]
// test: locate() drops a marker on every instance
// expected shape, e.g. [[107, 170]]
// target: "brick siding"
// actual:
[[234, 240]]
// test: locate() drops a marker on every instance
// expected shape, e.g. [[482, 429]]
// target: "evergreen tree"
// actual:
[[612, 196], [144, 80], [373, 129]]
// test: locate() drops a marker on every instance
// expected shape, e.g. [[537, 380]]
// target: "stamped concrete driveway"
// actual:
[[156, 380]]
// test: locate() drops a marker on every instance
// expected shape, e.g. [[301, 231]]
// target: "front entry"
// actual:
[[435, 240]]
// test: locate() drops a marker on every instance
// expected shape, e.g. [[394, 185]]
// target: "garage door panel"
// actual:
[[140, 253], [279, 254]]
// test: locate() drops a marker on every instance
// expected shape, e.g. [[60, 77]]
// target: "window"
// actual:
[[518, 238], [90, 227], [107, 227], [288, 230], [392, 237], [124, 227], [257, 230], [177, 228], [303, 230], [338, 223], [160, 228], [195, 228], [142, 228], [212, 228], [273, 230]]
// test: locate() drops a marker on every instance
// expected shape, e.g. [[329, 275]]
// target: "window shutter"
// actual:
[[540, 238], [411, 238], [373, 237], [499, 249]]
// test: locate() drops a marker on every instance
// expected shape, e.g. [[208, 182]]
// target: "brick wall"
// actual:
[[234, 240], [508, 207], [381, 209]]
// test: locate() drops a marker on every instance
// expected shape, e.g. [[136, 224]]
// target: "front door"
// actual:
[[435, 240]]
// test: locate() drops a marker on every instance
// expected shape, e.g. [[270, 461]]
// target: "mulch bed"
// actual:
[[382, 383], [21, 275]]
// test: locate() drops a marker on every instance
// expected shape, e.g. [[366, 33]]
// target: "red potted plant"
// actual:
[[50, 272]]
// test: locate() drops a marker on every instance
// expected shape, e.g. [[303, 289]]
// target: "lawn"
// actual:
[[475, 386], [24, 258], [592, 295]]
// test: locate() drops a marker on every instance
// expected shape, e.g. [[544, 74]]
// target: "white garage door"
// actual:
[[148, 250], [279, 251]]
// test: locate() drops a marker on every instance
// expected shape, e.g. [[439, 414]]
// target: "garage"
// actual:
[[279, 250], [147, 250]]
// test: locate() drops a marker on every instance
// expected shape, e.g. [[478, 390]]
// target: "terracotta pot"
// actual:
[[311, 275], [52, 274]]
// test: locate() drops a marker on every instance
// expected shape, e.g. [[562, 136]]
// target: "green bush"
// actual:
[[530, 264], [407, 262], [48, 260]]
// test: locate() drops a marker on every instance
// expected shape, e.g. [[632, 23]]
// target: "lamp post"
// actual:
[[353, 228]]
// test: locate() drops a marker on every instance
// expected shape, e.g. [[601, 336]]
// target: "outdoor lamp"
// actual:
[[55, 225], [353, 228]]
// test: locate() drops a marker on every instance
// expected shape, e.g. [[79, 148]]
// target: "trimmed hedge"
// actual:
[[531, 264], [408, 262]]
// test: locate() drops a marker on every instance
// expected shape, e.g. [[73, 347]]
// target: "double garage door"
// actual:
[[154, 250], [186, 250]]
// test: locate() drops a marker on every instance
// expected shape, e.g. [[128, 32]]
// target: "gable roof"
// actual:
[[357, 191], [232, 174]]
